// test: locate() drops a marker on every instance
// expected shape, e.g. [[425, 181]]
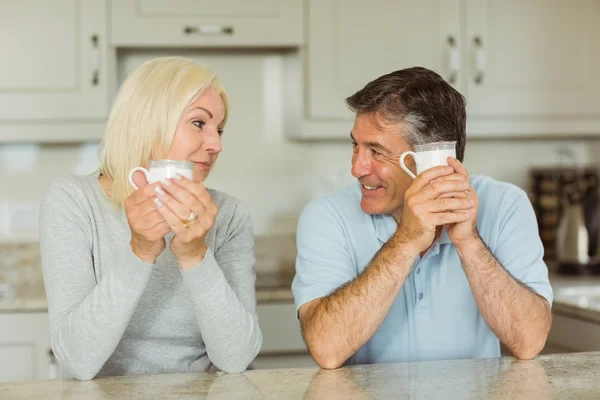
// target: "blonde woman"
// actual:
[[134, 286]]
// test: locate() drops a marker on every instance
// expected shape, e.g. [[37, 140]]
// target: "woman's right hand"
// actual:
[[148, 227]]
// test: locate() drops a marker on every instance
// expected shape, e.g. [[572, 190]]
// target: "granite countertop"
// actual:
[[564, 376]]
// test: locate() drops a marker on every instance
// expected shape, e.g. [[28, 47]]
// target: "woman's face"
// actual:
[[198, 134]]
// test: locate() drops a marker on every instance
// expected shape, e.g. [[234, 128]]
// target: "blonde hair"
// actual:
[[145, 115]]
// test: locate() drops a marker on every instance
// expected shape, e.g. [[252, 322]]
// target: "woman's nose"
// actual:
[[213, 142]]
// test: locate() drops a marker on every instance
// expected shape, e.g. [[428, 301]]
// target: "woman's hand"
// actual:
[[176, 200], [148, 227]]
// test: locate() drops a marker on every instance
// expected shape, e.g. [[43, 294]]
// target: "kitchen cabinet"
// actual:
[[207, 23], [283, 346], [25, 352], [54, 75], [352, 42], [526, 68], [571, 334], [531, 66]]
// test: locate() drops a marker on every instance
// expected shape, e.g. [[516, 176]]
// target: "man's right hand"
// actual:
[[148, 227], [426, 208]]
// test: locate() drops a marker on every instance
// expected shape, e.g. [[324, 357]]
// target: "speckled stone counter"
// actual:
[[565, 376]]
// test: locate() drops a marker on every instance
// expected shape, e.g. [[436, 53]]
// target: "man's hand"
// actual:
[[426, 207], [462, 233]]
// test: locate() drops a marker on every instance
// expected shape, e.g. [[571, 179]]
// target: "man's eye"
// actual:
[[199, 123]]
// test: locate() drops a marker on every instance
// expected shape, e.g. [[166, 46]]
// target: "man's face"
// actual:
[[377, 147]]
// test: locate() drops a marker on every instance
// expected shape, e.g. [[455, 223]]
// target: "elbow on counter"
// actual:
[[326, 356], [77, 370], [241, 363], [530, 350]]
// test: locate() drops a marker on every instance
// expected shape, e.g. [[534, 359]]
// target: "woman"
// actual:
[[135, 283]]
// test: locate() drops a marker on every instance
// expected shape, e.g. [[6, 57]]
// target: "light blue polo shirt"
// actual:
[[434, 316]]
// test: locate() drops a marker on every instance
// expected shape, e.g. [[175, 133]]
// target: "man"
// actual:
[[442, 267]]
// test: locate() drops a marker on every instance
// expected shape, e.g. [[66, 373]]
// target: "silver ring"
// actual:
[[466, 194], [192, 216]]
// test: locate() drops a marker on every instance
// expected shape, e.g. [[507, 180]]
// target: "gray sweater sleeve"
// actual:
[[87, 317], [222, 290]]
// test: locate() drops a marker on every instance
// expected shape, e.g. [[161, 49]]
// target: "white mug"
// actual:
[[429, 155], [162, 169]]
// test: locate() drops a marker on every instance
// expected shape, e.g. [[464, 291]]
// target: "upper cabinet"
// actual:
[[352, 42], [54, 67], [526, 67], [207, 23], [533, 60]]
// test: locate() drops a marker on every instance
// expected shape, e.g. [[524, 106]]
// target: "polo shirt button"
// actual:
[[418, 270], [420, 296]]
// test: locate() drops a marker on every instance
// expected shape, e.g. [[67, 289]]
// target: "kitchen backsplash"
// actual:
[[20, 264]]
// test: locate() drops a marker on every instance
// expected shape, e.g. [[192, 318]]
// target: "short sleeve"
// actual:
[[324, 261], [519, 248]]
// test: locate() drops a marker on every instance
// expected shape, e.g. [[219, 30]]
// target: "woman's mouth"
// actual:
[[204, 166]]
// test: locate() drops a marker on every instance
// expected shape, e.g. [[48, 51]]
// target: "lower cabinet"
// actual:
[[25, 352], [283, 346], [571, 334]]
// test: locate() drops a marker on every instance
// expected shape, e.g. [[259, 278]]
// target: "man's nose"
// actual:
[[361, 165]]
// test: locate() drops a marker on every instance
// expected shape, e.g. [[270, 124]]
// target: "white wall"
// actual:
[[272, 175]]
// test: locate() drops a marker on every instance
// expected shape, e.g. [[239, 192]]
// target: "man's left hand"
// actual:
[[462, 234]]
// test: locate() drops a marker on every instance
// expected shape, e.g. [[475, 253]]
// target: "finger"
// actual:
[[434, 190], [451, 177], [181, 210], [429, 174], [173, 220], [458, 166], [456, 195], [200, 193], [139, 179], [444, 218], [197, 189], [445, 205], [141, 195]]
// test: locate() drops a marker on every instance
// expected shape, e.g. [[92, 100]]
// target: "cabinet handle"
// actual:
[[453, 59], [479, 60], [212, 30], [95, 60]]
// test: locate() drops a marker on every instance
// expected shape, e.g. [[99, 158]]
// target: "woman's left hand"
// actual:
[[178, 199]]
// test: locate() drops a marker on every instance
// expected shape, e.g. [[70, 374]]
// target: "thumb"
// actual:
[[139, 179]]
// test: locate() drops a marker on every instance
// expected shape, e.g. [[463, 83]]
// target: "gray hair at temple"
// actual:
[[431, 109]]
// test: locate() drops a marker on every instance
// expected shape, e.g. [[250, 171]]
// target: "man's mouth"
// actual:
[[371, 188]]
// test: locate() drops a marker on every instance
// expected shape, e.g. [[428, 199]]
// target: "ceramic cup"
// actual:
[[162, 169], [429, 155]]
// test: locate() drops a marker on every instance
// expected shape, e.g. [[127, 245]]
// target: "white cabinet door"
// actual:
[[352, 42], [208, 23], [53, 61], [533, 59], [24, 347]]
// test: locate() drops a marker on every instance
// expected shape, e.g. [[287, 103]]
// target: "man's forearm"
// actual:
[[519, 317], [339, 324]]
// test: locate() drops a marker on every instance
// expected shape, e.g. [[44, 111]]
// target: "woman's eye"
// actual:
[[199, 123], [220, 132]]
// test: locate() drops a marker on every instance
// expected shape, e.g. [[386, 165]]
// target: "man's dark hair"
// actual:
[[431, 108]]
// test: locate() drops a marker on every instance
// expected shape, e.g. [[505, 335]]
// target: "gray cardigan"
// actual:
[[113, 314]]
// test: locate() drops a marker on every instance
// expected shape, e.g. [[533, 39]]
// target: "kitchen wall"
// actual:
[[272, 175]]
